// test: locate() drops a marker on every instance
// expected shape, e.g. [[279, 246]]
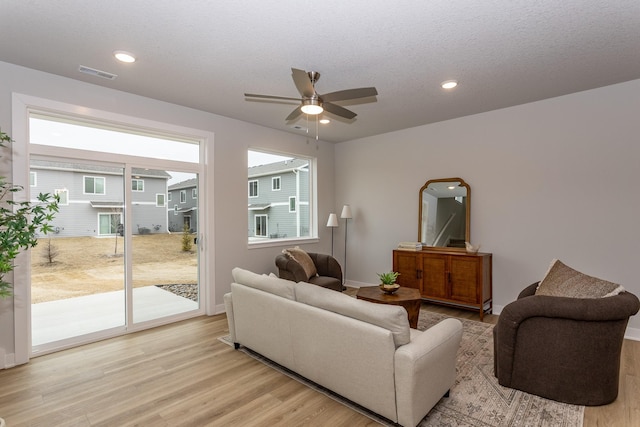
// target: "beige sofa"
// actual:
[[363, 351]]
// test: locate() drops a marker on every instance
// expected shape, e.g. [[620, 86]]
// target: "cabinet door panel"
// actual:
[[407, 265], [464, 277], [434, 277]]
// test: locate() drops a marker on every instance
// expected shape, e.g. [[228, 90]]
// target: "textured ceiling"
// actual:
[[206, 55]]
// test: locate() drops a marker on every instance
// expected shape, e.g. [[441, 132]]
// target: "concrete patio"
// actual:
[[66, 318]]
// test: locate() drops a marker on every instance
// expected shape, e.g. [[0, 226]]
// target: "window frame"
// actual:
[[275, 179], [63, 201], [264, 217], [298, 178], [134, 186], [257, 188], [183, 196], [95, 178], [158, 205]]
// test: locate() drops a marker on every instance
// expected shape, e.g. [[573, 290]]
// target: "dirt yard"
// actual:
[[89, 265]]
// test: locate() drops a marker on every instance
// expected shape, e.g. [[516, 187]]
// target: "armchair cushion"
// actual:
[[563, 281], [302, 258]]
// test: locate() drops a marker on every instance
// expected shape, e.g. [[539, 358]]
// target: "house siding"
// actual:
[[187, 211], [281, 222], [80, 216]]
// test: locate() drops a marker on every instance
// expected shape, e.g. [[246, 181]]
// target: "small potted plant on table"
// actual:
[[388, 282]]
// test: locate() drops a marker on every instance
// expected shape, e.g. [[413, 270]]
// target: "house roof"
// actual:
[[207, 55], [189, 183], [276, 168], [89, 168]]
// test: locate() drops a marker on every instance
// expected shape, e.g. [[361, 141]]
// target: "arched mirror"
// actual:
[[443, 214]]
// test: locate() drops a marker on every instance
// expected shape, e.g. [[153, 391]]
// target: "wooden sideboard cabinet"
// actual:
[[451, 278]]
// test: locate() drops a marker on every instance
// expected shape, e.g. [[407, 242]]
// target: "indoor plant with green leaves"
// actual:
[[388, 281], [20, 223]]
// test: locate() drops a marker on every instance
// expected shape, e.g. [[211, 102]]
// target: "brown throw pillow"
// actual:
[[302, 258], [564, 281]]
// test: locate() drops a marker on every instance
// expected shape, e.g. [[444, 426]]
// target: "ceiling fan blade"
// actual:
[[294, 114], [343, 95], [302, 82], [338, 110], [254, 95]]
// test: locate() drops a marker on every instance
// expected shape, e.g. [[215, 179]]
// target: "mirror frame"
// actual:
[[467, 234]]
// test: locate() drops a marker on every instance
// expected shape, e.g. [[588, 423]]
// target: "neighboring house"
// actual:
[[278, 196], [91, 198], [182, 203]]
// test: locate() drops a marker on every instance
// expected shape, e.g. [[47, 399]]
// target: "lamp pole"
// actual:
[[347, 215]]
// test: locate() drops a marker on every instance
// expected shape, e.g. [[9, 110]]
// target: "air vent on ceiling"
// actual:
[[97, 73], [298, 127]]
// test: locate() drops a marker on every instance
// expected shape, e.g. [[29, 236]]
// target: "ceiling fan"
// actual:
[[312, 102]]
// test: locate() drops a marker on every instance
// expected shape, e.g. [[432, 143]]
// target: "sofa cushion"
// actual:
[[302, 258], [273, 285], [563, 281], [391, 317]]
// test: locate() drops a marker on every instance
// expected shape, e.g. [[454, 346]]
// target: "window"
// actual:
[[160, 200], [287, 211], [64, 196], [175, 209], [33, 181], [183, 196], [253, 188], [108, 223], [169, 197], [137, 185], [194, 193], [93, 185], [275, 183], [260, 226]]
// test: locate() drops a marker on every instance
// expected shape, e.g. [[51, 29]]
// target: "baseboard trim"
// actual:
[[7, 360], [632, 334]]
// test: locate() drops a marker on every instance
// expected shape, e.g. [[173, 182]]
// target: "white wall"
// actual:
[[229, 192], [557, 178]]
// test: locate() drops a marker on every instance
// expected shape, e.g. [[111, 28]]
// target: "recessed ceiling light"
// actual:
[[123, 56], [449, 84], [325, 121]]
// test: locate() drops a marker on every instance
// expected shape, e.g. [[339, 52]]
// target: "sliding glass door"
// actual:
[[164, 245], [124, 254]]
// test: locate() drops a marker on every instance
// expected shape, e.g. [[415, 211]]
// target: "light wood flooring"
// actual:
[[182, 375]]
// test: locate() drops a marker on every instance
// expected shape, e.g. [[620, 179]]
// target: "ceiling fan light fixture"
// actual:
[[311, 106], [325, 121]]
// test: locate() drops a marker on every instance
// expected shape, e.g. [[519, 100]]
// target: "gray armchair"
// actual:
[[329, 271], [564, 349]]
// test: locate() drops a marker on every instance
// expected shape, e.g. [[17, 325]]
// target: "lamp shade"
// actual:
[[346, 212], [333, 220]]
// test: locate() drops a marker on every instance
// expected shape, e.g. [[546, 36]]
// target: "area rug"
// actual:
[[476, 398]]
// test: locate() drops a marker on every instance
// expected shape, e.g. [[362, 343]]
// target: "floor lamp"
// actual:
[[332, 223], [346, 214]]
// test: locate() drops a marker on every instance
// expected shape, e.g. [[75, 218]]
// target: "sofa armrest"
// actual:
[[617, 307], [290, 269], [425, 370], [228, 307], [529, 290], [326, 265]]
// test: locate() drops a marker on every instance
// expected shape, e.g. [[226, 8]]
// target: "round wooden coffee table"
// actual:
[[409, 298]]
